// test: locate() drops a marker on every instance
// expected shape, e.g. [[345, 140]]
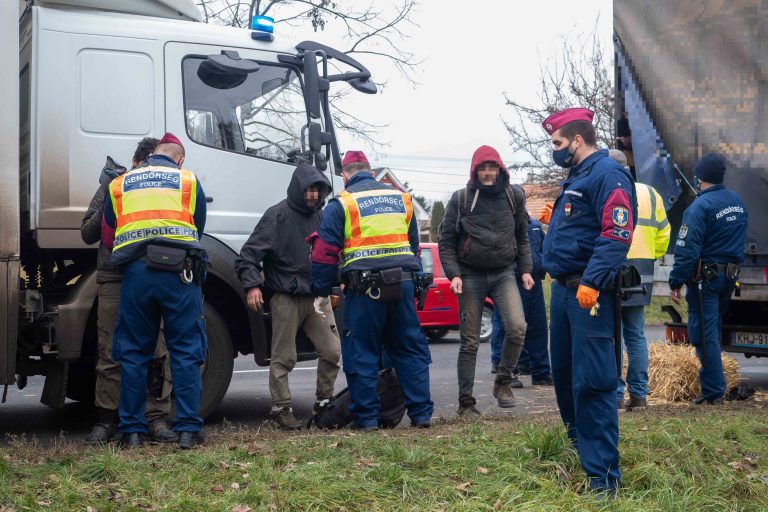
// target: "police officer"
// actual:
[[370, 231], [590, 230], [158, 212], [708, 250]]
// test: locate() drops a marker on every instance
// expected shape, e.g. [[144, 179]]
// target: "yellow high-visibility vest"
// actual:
[[652, 230], [376, 224], [154, 201]]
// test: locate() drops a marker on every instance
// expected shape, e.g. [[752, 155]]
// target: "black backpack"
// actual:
[[336, 415], [464, 199]]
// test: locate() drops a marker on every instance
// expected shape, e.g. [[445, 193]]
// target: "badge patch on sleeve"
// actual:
[[683, 231], [620, 216]]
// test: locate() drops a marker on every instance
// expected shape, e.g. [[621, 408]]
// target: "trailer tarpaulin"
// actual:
[[701, 68]]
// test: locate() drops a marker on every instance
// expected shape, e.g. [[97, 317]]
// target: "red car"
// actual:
[[441, 308]]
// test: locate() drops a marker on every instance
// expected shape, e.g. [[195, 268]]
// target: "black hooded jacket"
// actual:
[[277, 245]]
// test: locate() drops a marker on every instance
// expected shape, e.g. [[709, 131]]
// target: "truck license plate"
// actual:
[[749, 339]]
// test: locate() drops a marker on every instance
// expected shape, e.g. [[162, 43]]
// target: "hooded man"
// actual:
[[483, 234], [277, 248]]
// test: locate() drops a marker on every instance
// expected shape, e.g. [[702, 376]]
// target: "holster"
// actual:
[[155, 377]]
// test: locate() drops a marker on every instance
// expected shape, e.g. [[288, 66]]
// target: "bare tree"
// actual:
[[373, 32], [578, 76]]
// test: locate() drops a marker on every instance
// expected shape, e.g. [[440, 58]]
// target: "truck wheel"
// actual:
[[486, 324], [219, 362], [435, 334]]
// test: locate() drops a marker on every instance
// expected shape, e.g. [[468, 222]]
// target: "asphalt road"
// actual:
[[247, 402]]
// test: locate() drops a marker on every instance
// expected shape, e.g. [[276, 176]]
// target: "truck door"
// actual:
[[238, 131]]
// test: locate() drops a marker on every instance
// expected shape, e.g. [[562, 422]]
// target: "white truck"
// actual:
[[96, 76]]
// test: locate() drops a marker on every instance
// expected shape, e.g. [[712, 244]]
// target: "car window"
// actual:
[[427, 261], [260, 114]]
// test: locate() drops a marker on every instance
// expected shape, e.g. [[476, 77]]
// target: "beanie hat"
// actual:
[[354, 157], [711, 168], [170, 138]]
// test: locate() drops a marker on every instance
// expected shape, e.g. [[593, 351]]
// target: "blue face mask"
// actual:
[[563, 157]]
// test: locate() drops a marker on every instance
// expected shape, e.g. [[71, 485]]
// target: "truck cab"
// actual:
[[95, 77]]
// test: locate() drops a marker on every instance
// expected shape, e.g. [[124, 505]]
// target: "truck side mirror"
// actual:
[[311, 85], [318, 138]]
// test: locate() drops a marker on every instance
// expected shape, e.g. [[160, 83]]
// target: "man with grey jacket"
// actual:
[[110, 281]]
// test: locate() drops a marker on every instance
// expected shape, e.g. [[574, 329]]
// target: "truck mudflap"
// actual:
[[73, 314]]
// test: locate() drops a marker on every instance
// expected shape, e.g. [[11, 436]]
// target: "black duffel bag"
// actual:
[[336, 415]]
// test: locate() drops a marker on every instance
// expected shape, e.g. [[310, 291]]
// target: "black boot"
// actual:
[[189, 440], [159, 432], [104, 429], [131, 440]]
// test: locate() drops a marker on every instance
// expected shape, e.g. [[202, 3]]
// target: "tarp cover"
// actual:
[[701, 67], [179, 9]]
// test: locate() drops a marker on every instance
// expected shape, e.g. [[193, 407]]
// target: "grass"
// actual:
[[673, 459], [653, 313]]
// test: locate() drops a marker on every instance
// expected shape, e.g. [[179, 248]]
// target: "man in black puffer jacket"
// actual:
[[278, 248], [484, 232]]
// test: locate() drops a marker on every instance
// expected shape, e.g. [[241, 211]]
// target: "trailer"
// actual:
[[692, 78]]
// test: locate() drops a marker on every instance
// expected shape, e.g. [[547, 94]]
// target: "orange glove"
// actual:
[[586, 296], [546, 213]]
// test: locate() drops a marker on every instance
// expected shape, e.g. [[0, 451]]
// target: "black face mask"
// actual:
[[563, 157]]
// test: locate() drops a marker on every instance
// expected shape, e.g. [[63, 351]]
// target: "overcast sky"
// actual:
[[473, 52]]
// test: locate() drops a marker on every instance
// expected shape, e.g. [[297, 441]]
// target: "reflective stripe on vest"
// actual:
[[376, 224], [154, 201], [649, 221]]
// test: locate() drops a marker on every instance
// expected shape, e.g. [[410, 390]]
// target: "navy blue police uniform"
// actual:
[[374, 326], [590, 232], [713, 231]]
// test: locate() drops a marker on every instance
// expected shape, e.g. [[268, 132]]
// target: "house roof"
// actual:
[[385, 175]]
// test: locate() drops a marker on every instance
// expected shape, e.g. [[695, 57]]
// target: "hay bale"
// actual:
[[673, 372]]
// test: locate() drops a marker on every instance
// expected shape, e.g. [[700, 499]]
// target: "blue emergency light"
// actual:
[[263, 28]]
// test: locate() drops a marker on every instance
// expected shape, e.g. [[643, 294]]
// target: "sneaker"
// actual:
[[636, 404], [320, 405], [284, 417], [494, 367], [700, 400], [159, 432], [524, 370], [503, 395], [515, 383], [188, 440], [468, 412], [101, 433], [546, 381]]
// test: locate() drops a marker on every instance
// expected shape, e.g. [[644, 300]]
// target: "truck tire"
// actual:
[[219, 362]]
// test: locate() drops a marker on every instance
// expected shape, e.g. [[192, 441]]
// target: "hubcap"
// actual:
[[486, 323]]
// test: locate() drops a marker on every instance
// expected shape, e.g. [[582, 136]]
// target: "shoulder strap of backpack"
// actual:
[[511, 198], [463, 196]]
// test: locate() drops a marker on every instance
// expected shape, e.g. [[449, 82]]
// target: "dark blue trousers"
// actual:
[[146, 297], [370, 326], [584, 371], [535, 352], [716, 294]]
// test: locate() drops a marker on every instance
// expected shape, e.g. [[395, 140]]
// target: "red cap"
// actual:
[[354, 157], [170, 138], [559, 119]]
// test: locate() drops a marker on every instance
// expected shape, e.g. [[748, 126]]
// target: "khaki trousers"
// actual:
[[289, 313], [108, 371]]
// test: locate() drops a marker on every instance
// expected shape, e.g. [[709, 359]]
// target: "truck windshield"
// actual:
[[260, 114]]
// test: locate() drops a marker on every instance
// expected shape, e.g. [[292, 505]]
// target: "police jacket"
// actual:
[[137, 250], [492, 235], [277, 245], [714, 229], [330, 242], [90, 229], [592, 222]]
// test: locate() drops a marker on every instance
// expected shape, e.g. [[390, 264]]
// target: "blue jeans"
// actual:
[[716, 294], [145, 298], [535, 353], [372, 327], [501, 287], [584, 371], [632, 328]]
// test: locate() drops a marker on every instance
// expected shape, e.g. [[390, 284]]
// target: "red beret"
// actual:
[[354, 157], [559, 119], [170, 138]]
